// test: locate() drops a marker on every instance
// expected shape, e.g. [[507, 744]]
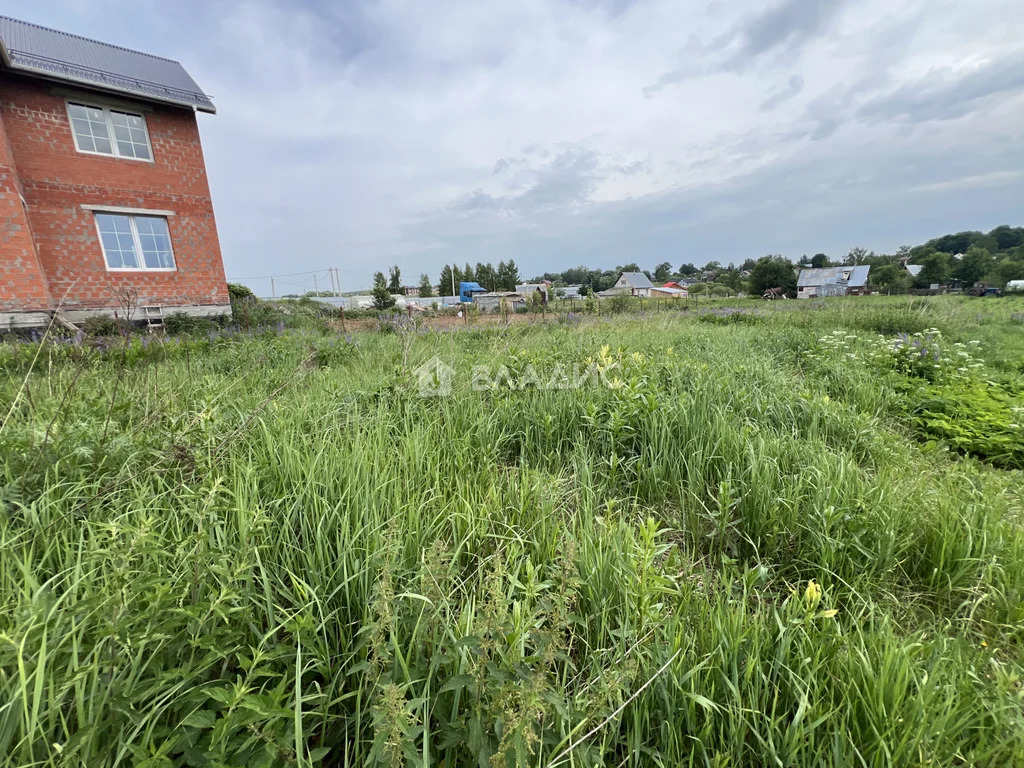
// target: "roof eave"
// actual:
[[43, 74]]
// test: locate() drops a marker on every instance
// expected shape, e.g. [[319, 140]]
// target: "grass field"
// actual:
[[755, 535]]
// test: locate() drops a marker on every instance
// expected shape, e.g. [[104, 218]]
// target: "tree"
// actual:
[[382, 298], [1007, 237], [447, 280], [686, 270], [958, 243], [936, 268], [975, 264], [891, 278], [509, 277], [662, 272], [395, 284], [820, 260], [772, 272], [487, 276], [468, 275], [731, 279], [856, 256], [426, 289]]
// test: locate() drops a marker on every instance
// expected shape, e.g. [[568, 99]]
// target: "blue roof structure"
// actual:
[[42, 52]]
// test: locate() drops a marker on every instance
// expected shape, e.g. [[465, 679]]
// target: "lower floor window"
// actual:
[[135, 242]]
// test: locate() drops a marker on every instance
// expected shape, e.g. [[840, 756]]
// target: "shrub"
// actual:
[[237, 291], [104, 325], [619, 304], [180, 322]]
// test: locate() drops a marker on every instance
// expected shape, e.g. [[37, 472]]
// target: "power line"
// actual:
[[307, 272]]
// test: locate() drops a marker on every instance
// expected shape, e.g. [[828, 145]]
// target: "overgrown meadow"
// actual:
[[781, 535]]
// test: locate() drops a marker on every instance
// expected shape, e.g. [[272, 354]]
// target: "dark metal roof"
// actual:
[[35, 50]]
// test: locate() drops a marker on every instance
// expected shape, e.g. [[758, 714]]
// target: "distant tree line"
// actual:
[[995, 257], [504, 277]]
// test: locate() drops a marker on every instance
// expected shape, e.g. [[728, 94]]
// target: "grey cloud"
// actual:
[[824, 129], [784, 25], [630, 169], [568, 179], [943, 95], [799, 206], [793, 86]]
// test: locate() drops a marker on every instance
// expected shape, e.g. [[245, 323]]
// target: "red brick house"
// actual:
[[104, 200]]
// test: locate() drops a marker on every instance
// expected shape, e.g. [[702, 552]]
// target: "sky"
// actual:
[[361, 134]]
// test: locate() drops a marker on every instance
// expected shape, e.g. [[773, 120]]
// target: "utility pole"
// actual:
[[273, 291], [453, 282], [316, 288]]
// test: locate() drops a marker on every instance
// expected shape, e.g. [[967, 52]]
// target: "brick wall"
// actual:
[[22, 284], [56, 180]]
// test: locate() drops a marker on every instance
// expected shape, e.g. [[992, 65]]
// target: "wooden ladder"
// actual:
[[154, 317]]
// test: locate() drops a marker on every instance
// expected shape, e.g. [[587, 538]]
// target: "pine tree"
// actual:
[[382, 298], [426, 289], [487, 277], [511, 276], [447, 280], [467, 274]]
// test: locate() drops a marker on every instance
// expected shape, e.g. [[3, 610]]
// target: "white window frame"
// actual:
[[136, 240], [111, 137]]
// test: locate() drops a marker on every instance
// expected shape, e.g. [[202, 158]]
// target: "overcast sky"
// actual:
[[360, 134]]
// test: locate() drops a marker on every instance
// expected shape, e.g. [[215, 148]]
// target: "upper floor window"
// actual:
[[106, 131], [135, 242]]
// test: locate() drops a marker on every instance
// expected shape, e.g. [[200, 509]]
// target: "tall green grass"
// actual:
[[272, 551]]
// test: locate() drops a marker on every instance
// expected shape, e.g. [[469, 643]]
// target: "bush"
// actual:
[[180, 322], [619, 304], [237, 291], [104, 325], [251, 312]]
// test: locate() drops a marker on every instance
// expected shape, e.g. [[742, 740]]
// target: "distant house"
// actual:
[[489, 302], [528, 289], [630, 284], [671, 290], [411, 290], [832, 281]]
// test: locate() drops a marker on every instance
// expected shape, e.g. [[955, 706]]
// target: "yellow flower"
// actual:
[[812, 595]]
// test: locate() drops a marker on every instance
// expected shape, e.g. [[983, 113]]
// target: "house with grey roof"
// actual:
[[105, 206], [630, 284], [832, 281]]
